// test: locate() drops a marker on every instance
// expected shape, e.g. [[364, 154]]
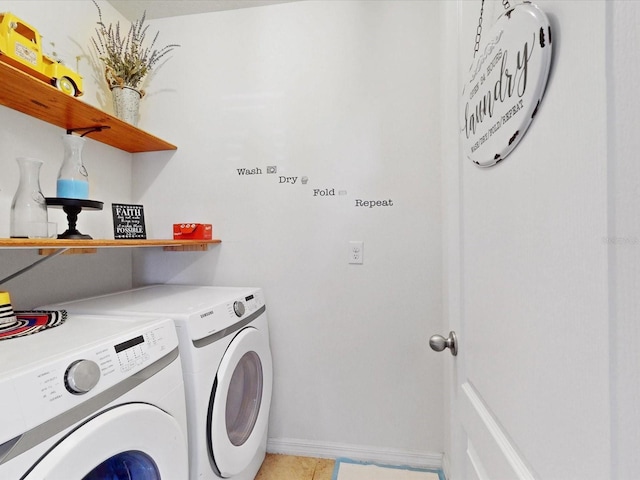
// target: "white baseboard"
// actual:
[[361, 453]]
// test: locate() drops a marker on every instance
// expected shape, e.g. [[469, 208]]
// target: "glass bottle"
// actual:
[[28, 208], [73, 179]]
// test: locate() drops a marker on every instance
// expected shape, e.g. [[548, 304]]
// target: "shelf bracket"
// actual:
[[29, 267], [97, 128]]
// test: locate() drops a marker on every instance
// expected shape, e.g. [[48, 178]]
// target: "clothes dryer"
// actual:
[[94, 398], [227, 368]]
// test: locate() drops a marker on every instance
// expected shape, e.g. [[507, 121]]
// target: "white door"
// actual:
[[527, 284]]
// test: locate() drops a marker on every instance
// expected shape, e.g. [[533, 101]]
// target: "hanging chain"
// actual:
[[478, 31], [505, 4]]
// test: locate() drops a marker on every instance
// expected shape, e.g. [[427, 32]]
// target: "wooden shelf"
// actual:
[[48, 246], [31, 96]]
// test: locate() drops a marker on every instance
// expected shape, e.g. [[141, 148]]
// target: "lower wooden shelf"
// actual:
[[49, 246]]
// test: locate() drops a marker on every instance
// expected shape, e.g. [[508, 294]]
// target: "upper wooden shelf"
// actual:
[[40, 100]]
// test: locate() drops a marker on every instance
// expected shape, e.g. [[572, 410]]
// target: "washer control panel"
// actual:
[[132, 353], [105, 354]]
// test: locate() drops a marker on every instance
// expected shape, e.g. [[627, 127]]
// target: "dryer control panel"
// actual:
[[247, 305], [225, 314]]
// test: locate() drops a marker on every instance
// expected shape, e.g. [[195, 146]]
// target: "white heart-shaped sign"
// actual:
[[507, 80]]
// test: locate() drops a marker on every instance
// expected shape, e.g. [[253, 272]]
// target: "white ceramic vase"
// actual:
[[126, 104]]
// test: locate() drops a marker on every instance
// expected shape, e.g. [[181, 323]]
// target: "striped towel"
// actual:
[[30, 322]]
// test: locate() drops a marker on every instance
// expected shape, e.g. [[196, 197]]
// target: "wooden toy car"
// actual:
[[21, 47]]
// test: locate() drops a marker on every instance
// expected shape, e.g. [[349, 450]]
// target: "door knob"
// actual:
[[439, 343]]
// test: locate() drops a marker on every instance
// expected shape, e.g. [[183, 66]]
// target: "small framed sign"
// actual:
[[128, 221]]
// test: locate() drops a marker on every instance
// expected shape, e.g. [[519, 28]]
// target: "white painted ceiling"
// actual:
[[133, 9]]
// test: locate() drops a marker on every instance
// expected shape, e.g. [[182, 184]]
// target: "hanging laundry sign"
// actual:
[[506, 83]]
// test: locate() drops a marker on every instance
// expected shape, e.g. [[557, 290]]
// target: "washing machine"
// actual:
[[94, 398], [227, 368]]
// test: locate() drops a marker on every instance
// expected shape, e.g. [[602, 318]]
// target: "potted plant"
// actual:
[[127, 61]]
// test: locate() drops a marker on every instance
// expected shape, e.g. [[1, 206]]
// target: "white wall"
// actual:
[[346, 94], [109, 170]]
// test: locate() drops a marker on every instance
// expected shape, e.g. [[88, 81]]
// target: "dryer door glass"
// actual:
[[131, 465], [243, 399]]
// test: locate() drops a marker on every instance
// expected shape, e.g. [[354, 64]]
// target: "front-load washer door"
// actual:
[[239, 405], [133, 441]]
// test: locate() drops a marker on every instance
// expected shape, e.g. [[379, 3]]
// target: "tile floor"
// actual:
[[289, 467]]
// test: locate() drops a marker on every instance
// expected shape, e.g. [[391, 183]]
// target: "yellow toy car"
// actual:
[[21, 47]]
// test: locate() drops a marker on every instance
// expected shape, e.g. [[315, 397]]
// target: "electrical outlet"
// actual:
[[356, 252]]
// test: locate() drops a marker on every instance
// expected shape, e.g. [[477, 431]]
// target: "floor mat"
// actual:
[[346, 469]]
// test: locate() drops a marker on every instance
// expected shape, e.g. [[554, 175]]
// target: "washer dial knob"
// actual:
[[238, 308], [81, 376]]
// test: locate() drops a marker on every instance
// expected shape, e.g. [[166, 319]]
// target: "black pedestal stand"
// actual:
[[72, 207]]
